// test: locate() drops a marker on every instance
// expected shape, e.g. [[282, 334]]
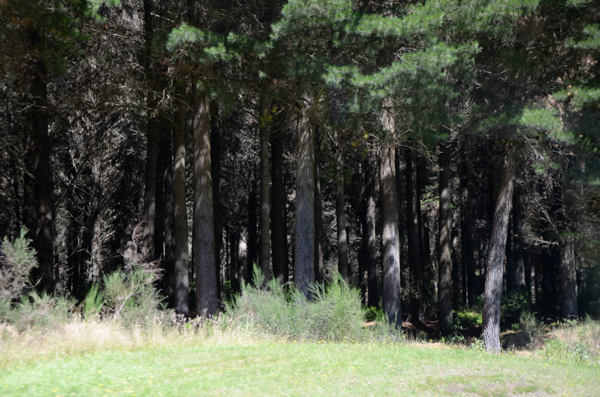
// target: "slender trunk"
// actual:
[[370, 233], [180, 221], [568, 280], [278, 226], [445, 250], [510, 265], [252, 242], [518, 260], [304, 269], [390, 235], [265, 216], [169, 228], [38, 176], [215, 154], [319, 276], [467, 237], [493, 277], [159, 224], [340, 210], [207, 300], [414, 245]]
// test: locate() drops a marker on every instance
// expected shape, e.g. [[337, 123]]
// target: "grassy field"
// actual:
[[277, 368]]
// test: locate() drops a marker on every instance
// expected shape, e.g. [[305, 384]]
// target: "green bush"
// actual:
[[334, 314], [39, 311], [465, 319], [17, 259]]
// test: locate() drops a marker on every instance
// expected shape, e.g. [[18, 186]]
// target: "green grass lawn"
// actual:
[[301, 369]]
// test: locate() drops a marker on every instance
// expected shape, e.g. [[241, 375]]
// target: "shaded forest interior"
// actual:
[[436, 156]]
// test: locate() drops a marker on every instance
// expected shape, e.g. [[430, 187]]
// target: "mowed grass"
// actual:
[[277, 368]]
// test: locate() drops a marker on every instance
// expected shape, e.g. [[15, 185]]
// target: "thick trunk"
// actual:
[[568, 280], [390, 235], [340, 210], [319, 275], [304, 268], [180, 221], [494, 273], [38, 175], [265, 215], [445, 249], [278, 225], [207, 301], [370, 233], [414, 243], [518, 260]]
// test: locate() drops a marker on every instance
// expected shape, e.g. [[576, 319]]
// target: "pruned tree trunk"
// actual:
[[414, 241], [319, 271], [370, 233], [495, 263], [207, 300], [445, 248], [265, 215], [252, 243], [390, 236], [215, 155], [340, 210], [169, 227], [278, 225], [39, 212], [467, 237], [518, 260], [304, 268], [568, 279], [180, 221]]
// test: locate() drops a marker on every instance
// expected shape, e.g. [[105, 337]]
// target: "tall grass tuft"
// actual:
[[334, 314]]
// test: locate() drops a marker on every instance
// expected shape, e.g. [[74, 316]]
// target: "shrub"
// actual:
[[17, 259], [39, 311], [466, 319], [334, 314]]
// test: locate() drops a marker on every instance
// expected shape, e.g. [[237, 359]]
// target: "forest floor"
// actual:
[[249, 366]]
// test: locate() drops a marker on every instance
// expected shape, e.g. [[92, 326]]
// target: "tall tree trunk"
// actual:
[[370, 234], [414, 244], [568, 279], [169, 228], [519, 261], [340, 209], [467, 236], [152, 135], [494, 274], [510, 265], [159, 224], [445, 250], [207, 300], [265, 216], [278, 225], [390, 236], [304, 269], [180, 220], [38, 175], [215, 154], [252, 243], [319, 275]]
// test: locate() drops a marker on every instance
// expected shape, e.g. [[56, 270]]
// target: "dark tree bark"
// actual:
[[319, 275], [340, 210], [180, 224], [265, 215], [390, 236], [169, 228], [414, 244], [370, 233], [215, 149], [445, 249], [468, 253], [252, 244], [568, 280], [494, 274], [207, 300], [519, 262], [304, 266], [510, 265], [278, 225], [39, 211]]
